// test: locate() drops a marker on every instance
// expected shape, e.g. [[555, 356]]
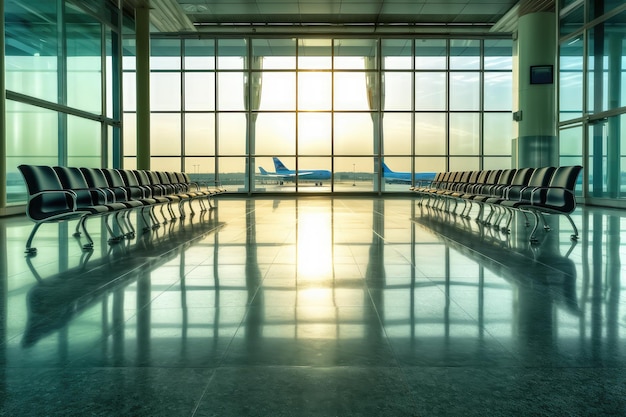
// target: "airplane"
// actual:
[[393, 177], [284, 174]]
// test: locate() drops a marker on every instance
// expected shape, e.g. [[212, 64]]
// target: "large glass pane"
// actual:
[[314, 133], [430, 164], [84, 142], [276, 53], [354, 174], [497, 163], [278, 91], [355, 54], [199, 91], [464, 134], [571, 79], [497, 133], [231, 54], [275, 133], [571, 142], [430, 91], [232, 133], [31, 55], [573, 21], [165, 54], [431, 54], [401, 166], [232, 173], [598, 70], [397, 133], [165, 91], [84, 62], [230, 90], [598, 8], [200, 134], [314, 174], [465, 91], [129, 91], [464, 54], [165, 134], [354, 134], [397, 90], [129, 48], [130, 134], [598, 157], [498, 91], [314, 91], [199, 54], [171, 163], [314, 54], [498, 54], [430, 133], [31, 138], [464, 164], [201, 169], [356, 91], [397, 53]]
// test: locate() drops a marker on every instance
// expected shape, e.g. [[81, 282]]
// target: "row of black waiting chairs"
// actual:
[[534, 191], [57, 193]]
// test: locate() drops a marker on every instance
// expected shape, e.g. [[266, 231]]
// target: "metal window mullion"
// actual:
[[413, 131], [62, 148], [216, 102], [481, 106], [379, 112], [182, 106], [447, 154], [104, 137]]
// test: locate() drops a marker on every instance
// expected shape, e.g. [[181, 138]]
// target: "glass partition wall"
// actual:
[[324, 114], [62, 74], [592, 87]]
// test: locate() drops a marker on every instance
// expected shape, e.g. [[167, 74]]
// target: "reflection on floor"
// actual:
[[316, 307]]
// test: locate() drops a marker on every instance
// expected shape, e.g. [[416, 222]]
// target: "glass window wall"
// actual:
[[592, 130], [63, 85], [304, 115]]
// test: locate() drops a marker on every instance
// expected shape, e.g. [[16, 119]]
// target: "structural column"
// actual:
[[142, 29], [536, 144]]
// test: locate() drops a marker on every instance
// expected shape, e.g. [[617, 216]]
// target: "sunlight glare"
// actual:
[[314, 245]]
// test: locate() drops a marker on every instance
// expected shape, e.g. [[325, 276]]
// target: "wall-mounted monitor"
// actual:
[[541, 74]]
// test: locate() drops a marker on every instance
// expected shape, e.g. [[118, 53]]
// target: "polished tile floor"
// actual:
[[316, 307]]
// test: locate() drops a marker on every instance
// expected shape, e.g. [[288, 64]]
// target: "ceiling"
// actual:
[[169, 16]]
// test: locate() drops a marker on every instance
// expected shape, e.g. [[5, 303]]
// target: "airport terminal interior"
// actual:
[[305, 264]]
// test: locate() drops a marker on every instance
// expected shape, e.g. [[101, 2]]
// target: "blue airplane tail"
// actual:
[[278, 165], [386, 169], [263, 172]]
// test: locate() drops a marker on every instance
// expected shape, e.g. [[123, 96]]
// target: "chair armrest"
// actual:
[[67, 193]]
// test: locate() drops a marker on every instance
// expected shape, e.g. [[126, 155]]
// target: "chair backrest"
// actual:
[[507, 176], [565, 177], [97, 178], [72, 178], [131, 184], [473, 178], [494, 176], [522, 176], [540, 178], [94, 177], [560, 194], [40, 178]]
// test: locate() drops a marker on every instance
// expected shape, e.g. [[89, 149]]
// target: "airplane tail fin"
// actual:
[[278, 165], [263, 172], [386, 169]]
